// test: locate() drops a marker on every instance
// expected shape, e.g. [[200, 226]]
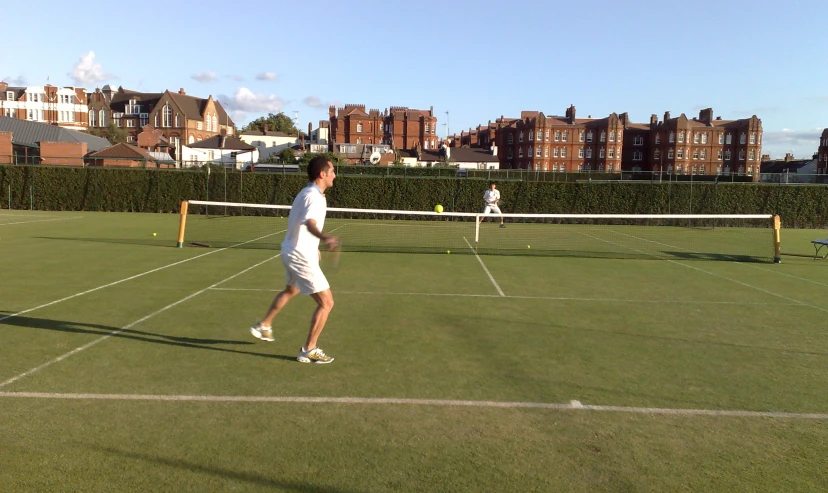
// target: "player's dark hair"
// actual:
[[316, 166], [492, 183]]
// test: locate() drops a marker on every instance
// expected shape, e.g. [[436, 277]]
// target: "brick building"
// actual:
[[60, 106], [400, 127], [557, 143], [700, 146], [822, 153], [182, 119], [27, 142]]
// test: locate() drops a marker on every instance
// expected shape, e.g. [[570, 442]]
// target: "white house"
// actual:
[[225, 150], [461, 157], [269, 143]]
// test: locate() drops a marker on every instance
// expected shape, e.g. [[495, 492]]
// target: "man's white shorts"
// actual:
[[492, 208], [307, 277]]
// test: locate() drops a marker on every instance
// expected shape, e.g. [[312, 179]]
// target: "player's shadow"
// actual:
[[122, 241], [244, 477], [135, 335]]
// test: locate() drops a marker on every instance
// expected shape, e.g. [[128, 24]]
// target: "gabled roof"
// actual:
[[33, 133], [222, 142], [781, 166], [123, 151]]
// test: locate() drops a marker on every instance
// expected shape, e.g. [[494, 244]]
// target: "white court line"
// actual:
[[42, 220], [708, 272], [705, 271], [125, 327], [491, 278], [573, 405], [549, 298], [136, 276]]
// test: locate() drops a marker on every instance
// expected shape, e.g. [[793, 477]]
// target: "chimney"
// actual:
[[706, 115], [653, 119], [3, 86], [624, 117], [181, 91], [310, 129], [788, 157], [666, 116], [570, 113]]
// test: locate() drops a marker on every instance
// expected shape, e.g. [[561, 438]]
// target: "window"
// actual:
[[198, 125], [33, 97], [563, 152], [728, 139], [680, 153], [588, 167], [589, 153], [359, 141], [530, 136], [611, 152], [177, 120], [658, 139], [638, 140], [612, 136], [589, 136], [130, 122], [565, 136], [742, 155], [554, 167], [520, 137], [529, 153], [144, 119], [547, 135], [166, 120], [637, 156], [155, 121], [704, 153], [679, 169], [93, 118], [133, 108], [538, 151], [557, 135], [581, 136], [672, 137], [681, 137], [10, 95], [719, 157], [701, 169], [704, 140], [609, 168], [657, 154], [102, 118], [670, 169], [670, 153], [741, 170], [752, 155], [603, 137], [752, 138], [601, 153], [727, 155], [520, 152], [190, 140], [546, 151], [510, 154], [555, 152], [580, 168], [742, 138], [581, 152], [116, 118], [359, 127], [695, 153]]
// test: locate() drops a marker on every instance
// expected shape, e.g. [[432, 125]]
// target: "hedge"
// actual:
[[149, 190]]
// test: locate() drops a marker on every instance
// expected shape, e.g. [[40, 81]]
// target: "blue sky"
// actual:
[[477, 60]]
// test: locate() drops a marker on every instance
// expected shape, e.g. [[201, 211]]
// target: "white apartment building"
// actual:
[[62, 106]]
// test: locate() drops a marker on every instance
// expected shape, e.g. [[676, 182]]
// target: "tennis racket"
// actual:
[[333, 255]]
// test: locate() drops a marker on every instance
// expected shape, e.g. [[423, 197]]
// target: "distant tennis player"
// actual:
[[491, 198], [301, 256]]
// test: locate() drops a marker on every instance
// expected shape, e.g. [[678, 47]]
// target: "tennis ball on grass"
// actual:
[[438, 208], [528, 246], [448, 251]]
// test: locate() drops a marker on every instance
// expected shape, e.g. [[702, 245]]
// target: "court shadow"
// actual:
[[135, 335], [245, 477], [719, 257], [118, 241]]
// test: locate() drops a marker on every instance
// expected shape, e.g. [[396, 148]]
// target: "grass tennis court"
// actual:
[[126, 365]]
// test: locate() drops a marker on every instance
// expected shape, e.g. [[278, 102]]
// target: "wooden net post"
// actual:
[[182, 224]]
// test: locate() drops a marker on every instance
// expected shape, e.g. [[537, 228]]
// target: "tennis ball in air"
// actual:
[[155, 234], [438, 208], [528, 246], [448, 251]]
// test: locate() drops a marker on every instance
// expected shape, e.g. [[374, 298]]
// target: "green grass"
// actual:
[[688, 334]]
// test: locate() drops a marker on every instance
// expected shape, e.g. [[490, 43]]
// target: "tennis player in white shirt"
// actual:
[[491, 198]]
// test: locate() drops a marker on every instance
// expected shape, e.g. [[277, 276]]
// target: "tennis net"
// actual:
[[680, 237]]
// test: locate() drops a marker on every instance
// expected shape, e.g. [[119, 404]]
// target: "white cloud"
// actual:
[[15, 81], [204, 76], [266, 76], [245, 100], [803, 143], [312, 101], [88, 72]]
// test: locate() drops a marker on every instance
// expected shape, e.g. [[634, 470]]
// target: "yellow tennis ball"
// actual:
[[155, 234], [448, 251], [528, 246], [438, 208]]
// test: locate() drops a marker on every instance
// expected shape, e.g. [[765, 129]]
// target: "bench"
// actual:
[[818, 245]]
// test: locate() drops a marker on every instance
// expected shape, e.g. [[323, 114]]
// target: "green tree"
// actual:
[[113, 134], [333, 158], [287, 156], [279, 122]]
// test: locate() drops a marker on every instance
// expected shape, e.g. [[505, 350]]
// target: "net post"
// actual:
[[182, 224], [476, 229], [777, 226]]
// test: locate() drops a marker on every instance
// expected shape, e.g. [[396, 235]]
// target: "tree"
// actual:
[[279, 122], [287, 156], [115, 135], [333, 158]]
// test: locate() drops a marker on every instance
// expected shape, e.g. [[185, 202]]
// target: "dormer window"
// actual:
[[133, 108], [10, 95]]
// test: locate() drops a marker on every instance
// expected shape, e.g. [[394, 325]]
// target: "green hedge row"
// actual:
[[146, 190]]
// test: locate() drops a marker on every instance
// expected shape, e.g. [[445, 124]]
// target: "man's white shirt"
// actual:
[[491, 196], [299, 242]]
